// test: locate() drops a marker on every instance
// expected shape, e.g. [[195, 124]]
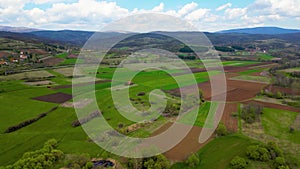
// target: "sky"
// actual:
[[205, 15]]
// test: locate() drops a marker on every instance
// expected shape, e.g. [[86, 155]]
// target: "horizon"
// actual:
[[93, 15], [120, 31]]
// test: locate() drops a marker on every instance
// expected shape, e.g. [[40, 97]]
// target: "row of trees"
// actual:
[[269, 153], [40, 159], [156, 162]]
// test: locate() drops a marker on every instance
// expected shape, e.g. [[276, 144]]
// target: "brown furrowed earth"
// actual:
[[54, 98], [273, 105], [230, 122], [186, 147], [236, 90], [52, 61], [190, 143], [227, 69]]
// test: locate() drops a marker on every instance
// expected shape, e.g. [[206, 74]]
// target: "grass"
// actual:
[[55, 125], [248, 72], [252, 78], [13, 85], [218, 153], [264, 56], [202, 114], [67, 72], [296, 69], [277, 123], [18, 106], [27, 75], [70, 61], [62, 55], [239, 63]]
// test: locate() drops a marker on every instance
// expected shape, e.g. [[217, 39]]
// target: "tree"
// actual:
[[192, 161], [279, 163], [221, 130], [258, 153], [238, 163], [157, 162]]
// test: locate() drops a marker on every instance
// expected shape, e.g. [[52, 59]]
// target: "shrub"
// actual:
[[157, 162], [238, 163], [280, 163], [221, 130], [192, 161], [258, 153], [250, 113]]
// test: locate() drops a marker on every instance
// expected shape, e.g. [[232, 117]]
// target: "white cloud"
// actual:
[[187, 8], [159, 8], [232, 13], [93, 14], [222, 7], [197, 14]]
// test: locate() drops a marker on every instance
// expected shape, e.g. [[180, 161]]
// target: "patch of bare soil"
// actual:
[[54, 98], [78, 104], [186, 146]]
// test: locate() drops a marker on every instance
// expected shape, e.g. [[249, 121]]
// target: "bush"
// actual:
[[258, 153], [250, 113], [279, 163], [238, 163], [192, 161], [157, 162], [42, 158], [221, 130]]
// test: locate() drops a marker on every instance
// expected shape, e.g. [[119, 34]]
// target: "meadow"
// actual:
[[18, 106]]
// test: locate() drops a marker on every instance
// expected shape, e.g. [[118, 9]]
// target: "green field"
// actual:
[[239, 63], [218, 153], [19, 107], [264, 56], [277, 123], [252, 78]]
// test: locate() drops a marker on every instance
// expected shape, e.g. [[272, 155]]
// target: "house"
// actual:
[[13, 60], [3, 63]]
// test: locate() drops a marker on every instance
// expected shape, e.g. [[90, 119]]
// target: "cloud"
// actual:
[[222, 7], [286, 8], [94, 14], [187, 8], [159, 8], [197, 14], [232, 13]]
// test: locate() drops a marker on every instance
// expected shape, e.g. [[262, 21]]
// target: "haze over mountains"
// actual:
[[262, 30], [78, 38], [255, 30]]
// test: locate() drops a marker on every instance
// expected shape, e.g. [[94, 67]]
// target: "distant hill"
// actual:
[[17, 29], [65, 36], [262, 30]]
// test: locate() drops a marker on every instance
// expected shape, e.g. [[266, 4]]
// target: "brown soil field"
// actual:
[[273, 105], [236, 90], [38, 51], [80, 84], [52, 61], [284, 90], [3, 53], [186, 147], [54, 98], [230, 122]]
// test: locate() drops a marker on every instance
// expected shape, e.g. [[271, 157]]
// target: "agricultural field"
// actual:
[[39, 105]]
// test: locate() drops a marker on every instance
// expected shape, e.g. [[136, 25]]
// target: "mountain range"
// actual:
[[79, 38]]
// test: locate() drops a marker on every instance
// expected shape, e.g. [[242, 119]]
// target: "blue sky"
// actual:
[[206, 15]]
